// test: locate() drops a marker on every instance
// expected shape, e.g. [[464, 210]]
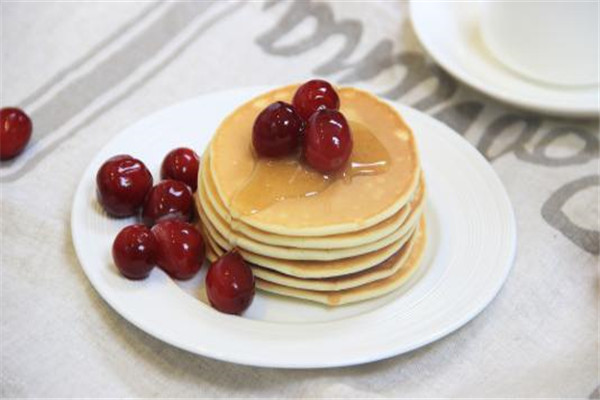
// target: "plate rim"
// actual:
[[250, 91], [549, 109]]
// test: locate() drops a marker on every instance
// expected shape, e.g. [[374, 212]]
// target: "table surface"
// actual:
[[85, 71]]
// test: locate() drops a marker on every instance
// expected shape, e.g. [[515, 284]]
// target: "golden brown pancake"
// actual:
[[296, 253], [381, 270], [251, 187], [334, 239], [217, 214], [307, 268], [363, 292]]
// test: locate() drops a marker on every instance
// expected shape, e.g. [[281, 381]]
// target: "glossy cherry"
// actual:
[[181, 164], [230, 284], [328, 141], [315, 95], [277, 130], [181, 250], [121, 185], [168, 199], [15, 132], [134, 251]]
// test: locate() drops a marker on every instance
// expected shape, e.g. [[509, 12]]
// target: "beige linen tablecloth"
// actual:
[[85, 71]]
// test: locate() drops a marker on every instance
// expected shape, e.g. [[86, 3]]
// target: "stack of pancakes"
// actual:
[[334, 240]]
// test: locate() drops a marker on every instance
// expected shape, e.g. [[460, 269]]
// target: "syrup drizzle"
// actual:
[[275, 180]]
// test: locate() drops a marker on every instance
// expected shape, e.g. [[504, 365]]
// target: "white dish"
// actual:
[[450, 33], [560, 48], [470, 251]]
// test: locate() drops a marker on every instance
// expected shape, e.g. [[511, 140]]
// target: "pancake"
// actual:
[[251, 188], [307, 268], [231, 230], [363, 292], [211, 254], [227, 238], [289, 253], [213, 251], [382, 270], [333, 239]]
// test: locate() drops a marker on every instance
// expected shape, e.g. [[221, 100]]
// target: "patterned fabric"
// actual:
[[85, 71]]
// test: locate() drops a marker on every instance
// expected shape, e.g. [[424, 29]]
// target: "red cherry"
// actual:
[[166, 200], [328, 141], [181, 248], [134, 251], [313, 96], [277, 130], [121, 185], [181, 165], [230, 284], [15, 132]]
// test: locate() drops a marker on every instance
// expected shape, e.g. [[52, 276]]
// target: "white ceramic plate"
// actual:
[[449, 31], [469, 254]]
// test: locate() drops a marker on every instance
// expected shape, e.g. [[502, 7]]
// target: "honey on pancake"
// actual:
[[275, 180], [369, 156]]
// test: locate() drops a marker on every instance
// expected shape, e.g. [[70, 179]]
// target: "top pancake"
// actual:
[[344, 205]]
